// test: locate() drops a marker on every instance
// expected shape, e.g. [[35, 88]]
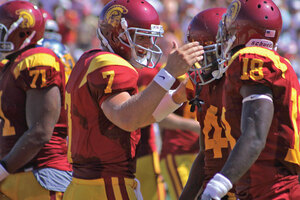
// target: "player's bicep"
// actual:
[[116, 110], [112, 106], [257, 111]]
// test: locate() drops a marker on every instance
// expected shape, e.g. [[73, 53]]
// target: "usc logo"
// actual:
[[113, 14], [233, 11], [28, 19]]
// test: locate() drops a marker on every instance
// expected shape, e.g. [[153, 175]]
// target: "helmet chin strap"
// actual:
[[135, 60], [28, 40], [13, 27], [229, 44], [135, 63], [104, 41], [216, 74]]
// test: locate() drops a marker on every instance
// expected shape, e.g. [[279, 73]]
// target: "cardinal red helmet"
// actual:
[[123, 22], [21, 24], [203, 28], [250, 23]]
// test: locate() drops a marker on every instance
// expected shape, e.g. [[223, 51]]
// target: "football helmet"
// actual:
[[249, 23], [123, 24], [203, 28], [21, 24], [51, 27]]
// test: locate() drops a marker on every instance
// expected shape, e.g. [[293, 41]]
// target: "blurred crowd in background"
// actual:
[[78, 19]]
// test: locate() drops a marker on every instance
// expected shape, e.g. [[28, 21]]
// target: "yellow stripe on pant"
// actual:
[[105, 189], [175, 170]]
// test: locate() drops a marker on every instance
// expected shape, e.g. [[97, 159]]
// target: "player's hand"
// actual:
[[182, 58], [216, 188]]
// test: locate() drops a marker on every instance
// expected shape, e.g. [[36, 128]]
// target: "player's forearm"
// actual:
[[241, 158], [132, 112], [26, 148]]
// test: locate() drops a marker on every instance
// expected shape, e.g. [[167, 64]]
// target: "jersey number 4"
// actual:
[[217, 142]]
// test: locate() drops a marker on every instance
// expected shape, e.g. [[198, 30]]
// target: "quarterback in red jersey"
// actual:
[[33, 148], [215, 141], [261, 100], [105, 110]]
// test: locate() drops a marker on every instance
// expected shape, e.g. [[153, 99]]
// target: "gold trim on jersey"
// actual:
[[262, 52], [35, 60], [105, 60]]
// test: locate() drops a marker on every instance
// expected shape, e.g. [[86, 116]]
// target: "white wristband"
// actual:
[[3, 173], [164, 79], [165, 107], [217, 187]]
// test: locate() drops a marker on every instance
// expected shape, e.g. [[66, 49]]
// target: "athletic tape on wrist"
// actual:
[[3, 173], [165, 107], [164, 79], [224, 180], [218, 186]]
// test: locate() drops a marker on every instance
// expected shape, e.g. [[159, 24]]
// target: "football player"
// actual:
[[261, 106], [105, 111], [52, 40], [33, 148], [208, 80]]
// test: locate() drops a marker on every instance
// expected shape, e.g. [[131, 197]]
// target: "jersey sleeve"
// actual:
[[256, 65], [39, 70]]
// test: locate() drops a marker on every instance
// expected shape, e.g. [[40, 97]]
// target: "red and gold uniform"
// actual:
[[102, 154], [215, 130], [179, 150], [147, 168], [274, 174], [30, 68]]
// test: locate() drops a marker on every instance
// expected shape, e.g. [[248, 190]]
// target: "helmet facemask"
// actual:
[[152, 54], [225, 39], [7, 46], [128, 38], [210, 68]]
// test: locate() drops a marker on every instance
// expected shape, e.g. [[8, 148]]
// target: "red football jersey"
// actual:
[[215, 129], [97, 147], [147, 143], [33, 68], [280, 157]]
